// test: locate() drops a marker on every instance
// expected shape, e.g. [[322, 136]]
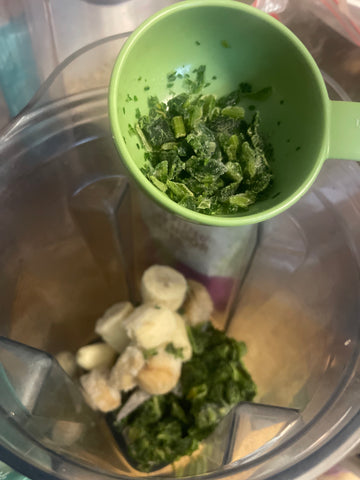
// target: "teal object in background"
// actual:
[[19, 79], [7, 473]]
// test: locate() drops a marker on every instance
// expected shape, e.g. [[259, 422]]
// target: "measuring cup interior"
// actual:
[[236, 44]]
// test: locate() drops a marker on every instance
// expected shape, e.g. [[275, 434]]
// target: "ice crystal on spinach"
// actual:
[[206, 153], [202, 140], [167, 427]]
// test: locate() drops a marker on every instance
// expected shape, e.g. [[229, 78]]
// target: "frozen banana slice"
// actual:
[[96, 355], [99, 394], [127, 366], [163, 286], [110, 326], [150, 326], [160, 374], [67, 362], [198, 305], [180, 338]]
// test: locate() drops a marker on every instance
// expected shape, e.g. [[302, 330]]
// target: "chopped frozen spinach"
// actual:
[[206, 153], [176, 351], [212, 382], [150, 352]]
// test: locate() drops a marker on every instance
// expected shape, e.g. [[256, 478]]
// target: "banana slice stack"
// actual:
[[144, 346]]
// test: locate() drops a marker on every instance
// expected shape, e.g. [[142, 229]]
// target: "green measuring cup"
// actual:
[[237, 43]]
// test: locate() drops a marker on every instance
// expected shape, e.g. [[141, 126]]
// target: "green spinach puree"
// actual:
[[212, 382]]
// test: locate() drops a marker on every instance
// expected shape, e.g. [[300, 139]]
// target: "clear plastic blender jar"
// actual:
[[75, 240]]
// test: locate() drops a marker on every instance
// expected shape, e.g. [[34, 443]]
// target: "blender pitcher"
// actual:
[[76, 237]]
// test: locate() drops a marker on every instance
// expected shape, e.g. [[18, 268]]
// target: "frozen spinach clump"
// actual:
[[202, 152], [212, 382]]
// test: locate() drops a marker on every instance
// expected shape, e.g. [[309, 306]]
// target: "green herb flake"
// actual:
[[197, 42], [177, 352], [149, 353], [225, 44], [245, 87], [196, 85], [171, 77], [259, 95], [131, 130], [146, 88]]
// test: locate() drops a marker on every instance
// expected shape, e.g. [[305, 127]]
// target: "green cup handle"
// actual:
[[344, 130]]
